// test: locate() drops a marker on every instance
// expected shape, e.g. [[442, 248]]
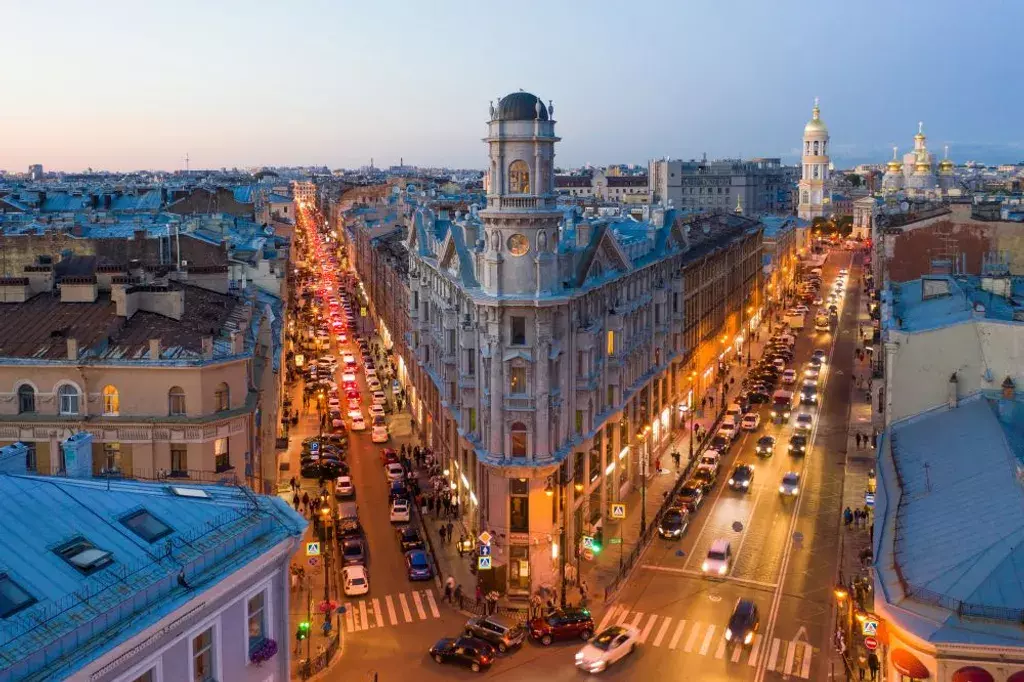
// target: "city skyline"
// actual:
[[250, 85]]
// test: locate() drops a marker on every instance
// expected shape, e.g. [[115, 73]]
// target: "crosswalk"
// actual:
[[390, 610], [788, 657]]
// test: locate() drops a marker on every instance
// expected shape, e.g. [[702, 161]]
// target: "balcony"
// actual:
[[587, 382], [520, 402], [467, 380], [519, 202]]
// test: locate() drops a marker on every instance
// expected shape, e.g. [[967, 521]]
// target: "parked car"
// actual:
[[496, 630], [343, 488], [409, 538], [469, 652], [394, 471], [353, 551], [417, 565], [400, 512], [691, 495], [706, 477], [355, 580], [562, 624]]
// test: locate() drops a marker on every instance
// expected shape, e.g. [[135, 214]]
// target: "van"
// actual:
[[719, 558]]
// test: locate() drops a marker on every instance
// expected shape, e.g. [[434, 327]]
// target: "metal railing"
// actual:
[[318, 663]]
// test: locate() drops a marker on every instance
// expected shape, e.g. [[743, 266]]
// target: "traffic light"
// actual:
[[303, 631], [596, 547]]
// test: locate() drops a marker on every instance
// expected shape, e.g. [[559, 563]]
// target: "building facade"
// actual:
[[756, 186], [814, 170]]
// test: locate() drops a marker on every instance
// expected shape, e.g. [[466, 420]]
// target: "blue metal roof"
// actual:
[[913, 312]]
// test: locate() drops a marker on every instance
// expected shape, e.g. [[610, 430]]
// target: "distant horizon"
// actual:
[[326, 83]]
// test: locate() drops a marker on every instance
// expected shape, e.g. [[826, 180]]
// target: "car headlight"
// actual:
[[782, 488], [796, 490], [722, 569], [748, 638], [731, 481], [704, 567], [746, 484], [728, 634], [579, 655]]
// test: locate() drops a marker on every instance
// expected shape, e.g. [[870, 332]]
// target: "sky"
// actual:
[[134, 85]]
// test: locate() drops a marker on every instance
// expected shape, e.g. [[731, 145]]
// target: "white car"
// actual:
[[728, 428], [372, 384], [343, 487], [812, 372], [348, 378], [378, 398], [818, 300], [376, 410], [804, 422], [779, 364], [358, 423], [394, 471], [711, 459], [400, 511], [719, 558], [789, 376], [608, 647], [750, 422], [355, 580], [379, 434], [802, 309], [843, 271], [354, 404], [371, 373]]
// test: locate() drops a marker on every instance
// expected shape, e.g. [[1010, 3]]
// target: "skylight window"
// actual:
[[12, 597], [190, 492], [85, 556], [146, 526]]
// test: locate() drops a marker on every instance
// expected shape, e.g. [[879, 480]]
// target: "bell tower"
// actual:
[[520, 223], [814, 176]]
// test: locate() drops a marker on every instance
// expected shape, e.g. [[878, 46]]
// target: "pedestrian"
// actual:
[[657, 464], [462, 544], [455, 508], [295, 501], [305, 501], [535, 606], [847, 516], [479, 594], [430, 503], [864, 514], [294, 484], [583, 593], [458, 595], [450, 527], [858, 441], [447, 593], [441, 532], [873, 665]]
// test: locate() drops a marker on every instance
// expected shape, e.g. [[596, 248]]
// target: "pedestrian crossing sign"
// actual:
[[588, 542], [312, 549], [483, 563], [618, 511]]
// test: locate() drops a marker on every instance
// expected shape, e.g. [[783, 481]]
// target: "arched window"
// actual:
[[26, 399], [816, 171], [805, 198], [519, 439], [111, 401], [807, 148], [519, 178], [68, 399], [176, 401], [223, 398], [815, 147]]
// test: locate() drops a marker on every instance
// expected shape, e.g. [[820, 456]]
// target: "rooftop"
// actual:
[[937, 301], [99, 561]]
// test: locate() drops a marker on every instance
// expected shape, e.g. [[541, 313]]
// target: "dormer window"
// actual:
[[84, 556], [13, 597]]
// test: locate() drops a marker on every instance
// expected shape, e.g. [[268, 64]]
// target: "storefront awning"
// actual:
[[972, 673], [909, 664]]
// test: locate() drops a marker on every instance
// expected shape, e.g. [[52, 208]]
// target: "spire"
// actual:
[[816, 111], [739, 204], [920, 127]]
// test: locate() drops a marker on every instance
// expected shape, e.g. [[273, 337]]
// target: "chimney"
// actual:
[[154, 349], [40, 278], [583, 233], [14, 459], [470, 232], [14, 289], [951, 399], [78, 289], [1009, 389], [237, 343], [72, 349], [207, 347]]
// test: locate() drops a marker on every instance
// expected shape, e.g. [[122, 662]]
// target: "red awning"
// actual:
[[1016, 677], [972, 673], [908, 664]]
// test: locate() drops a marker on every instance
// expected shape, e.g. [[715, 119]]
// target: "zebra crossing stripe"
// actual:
[[677, 634], [692, 640], [392, 615], [647, 628], [622, 616], [432, 604], [707, 640], [419, 605], [636, 621], [377, 613], [608, 615], [349, 618], [805, 670], [661, 631], [405, 608], [790, 653], [752, 659], [363, 621], [773, 654], [736, 653], [720, 650]]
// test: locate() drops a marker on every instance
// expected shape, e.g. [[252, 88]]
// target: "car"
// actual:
[[759, 394], [388, 456], [742, 477], [409, 538], [727, 429], [394, 471], [818, 300], [691, 495], [820, 354], [372, 384], [376, 410], [809, 394], [765, 446], [711, 458], [400, 511], [355, 580], [562, 624], [789, 376], [417, 565], [371, 371], [834, 309], [743, 623], [353, 551], [379, 434], [720, 442], [705, 476], [379, 420], [343, 487], [802, 309], [734, 410], [719, 558], [790, 484], [354, 405], [379, 398], [843, 271], [798, 444], [608, 647], [804, 422], [750, 421], [358, 423], [779, 364], [469, 652], [348, 379], [812, 372], [497, 630], [397, 490], [673, 523]]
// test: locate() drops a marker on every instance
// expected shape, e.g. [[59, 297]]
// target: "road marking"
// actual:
[[608, 615], [419, 605], [707, 640], [432, 604], [790, 653], [377, 613], [773, 655], [805, 671], [692, 640], [677, 634], [661, 632], [752, 659], [622, 616], [391, 610], [720, 651], [736, 653], [648, 628], [364, 623], [698, 574], [349, 618], [636, 621], [405, 608]]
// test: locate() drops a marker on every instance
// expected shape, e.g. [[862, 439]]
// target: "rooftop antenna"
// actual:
[[927, 477], [186, 162]]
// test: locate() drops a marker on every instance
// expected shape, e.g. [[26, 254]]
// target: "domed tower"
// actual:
[[922, 175], [815, 173], [521, 220], [892, 181], [945, 170]]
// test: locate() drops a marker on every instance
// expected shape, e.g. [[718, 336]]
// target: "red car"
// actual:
[[388, 456], [562, 624]]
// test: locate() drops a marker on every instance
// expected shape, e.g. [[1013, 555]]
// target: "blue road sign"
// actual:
[[484, 550]]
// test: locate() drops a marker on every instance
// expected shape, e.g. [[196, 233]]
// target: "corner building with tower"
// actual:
[[552, 357]]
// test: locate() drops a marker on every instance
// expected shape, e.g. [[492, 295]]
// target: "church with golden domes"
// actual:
[[918, 175]]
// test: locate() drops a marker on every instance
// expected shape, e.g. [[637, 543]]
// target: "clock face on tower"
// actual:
[[518, 244]]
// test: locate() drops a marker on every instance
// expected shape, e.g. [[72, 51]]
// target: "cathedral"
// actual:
[[918, 175]]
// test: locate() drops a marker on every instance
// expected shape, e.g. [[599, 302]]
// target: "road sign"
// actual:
[[588, 542], [485, 538], [314, 561], [483, 563], [869, 628], [314, 446], [869, 500], [312, 549], [484, 550], [618, 511], [362, 311], [614, 541], [870, 643]]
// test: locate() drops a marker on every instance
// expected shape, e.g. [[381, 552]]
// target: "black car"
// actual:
[[765, 446], [690, 496], [705, 476], [809, 395], [470, 652], [673, 523], [743, 623], [720, 443], [409, 538], [353, 551], [820, 354], [759, 394], [742, 477], [798, 444]]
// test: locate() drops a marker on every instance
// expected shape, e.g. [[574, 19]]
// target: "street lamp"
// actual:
[[645, 457], [325, 512], [750, 314]]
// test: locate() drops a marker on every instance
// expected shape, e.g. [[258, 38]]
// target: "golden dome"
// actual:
[[815, 126], [922, 166], [945, 165], [894, 166]]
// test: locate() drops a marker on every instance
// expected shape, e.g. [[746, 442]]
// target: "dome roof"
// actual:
[[815, 126], [946, 165], [520, 106]]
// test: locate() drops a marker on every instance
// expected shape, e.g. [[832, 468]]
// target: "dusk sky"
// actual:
[[126, 85]]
